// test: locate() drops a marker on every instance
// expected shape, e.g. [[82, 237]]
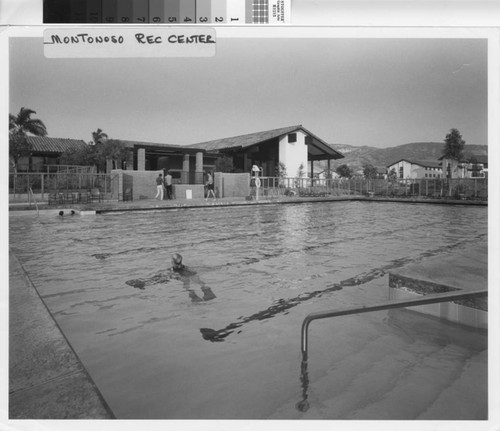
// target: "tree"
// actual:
[[300, 171], [369, 171], [85, 156], [107, 149], [224, 164], [344, 171], [392, 175], [99, 137], [281, 170], [454, 145], [113, 150], [20, 126]]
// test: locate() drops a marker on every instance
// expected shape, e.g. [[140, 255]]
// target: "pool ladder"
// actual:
[[32, 195], [303, 405]]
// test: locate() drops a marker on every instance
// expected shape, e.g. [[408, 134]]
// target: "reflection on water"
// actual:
[[269, 266]]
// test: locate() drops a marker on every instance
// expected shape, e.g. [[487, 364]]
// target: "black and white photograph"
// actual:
[[293, 227]]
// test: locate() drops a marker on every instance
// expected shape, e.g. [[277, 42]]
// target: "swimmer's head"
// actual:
[[177, 260]]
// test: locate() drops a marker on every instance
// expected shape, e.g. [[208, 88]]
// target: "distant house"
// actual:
[[293, 146], [46, 153], [471, 166], [416, 169], [381, 173]]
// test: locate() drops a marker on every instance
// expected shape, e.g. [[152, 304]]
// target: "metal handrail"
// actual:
[[428, 299], [34, 200]]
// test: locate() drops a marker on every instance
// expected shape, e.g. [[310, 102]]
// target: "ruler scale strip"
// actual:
[[217, 12]]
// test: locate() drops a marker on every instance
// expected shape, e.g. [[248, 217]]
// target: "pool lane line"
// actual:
[[62, 376]]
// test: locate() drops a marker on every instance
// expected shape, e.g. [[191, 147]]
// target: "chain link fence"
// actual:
[[438, 188], [44, 185]]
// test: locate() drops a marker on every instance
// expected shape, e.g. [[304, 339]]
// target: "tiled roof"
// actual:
[[318, 148], [130, 144], [44, 144], [244, 141], [425, 164], [477, 158]]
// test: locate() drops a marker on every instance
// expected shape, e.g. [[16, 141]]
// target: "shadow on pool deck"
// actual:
[[46, 378]]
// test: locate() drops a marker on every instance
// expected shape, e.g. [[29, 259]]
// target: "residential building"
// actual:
[[470, 166], [407, 169], [46, 153]]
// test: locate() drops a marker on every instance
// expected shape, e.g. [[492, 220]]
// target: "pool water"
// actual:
[[154, 353]]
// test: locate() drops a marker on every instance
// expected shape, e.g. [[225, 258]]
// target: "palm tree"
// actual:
[[20, 126], [99, 137], [99, 143]]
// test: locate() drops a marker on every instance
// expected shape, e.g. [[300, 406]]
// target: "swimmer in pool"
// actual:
[[178, 272]]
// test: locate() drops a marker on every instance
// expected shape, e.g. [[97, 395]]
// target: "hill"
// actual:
[[356, 157]]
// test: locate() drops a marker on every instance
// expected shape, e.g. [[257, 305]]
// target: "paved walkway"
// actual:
[[46, 378]]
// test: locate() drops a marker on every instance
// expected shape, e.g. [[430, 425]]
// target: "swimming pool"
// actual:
[[154, 353]]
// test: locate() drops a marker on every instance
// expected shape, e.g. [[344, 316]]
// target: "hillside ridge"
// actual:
[[356, 157]]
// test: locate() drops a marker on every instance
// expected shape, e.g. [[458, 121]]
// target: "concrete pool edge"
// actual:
[[154, 205], [47, 380]]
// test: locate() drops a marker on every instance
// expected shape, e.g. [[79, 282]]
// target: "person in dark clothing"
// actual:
[[168, 185]]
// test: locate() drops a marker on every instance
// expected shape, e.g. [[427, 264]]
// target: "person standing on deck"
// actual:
[[168, 185], [210, 186], [159, 187]]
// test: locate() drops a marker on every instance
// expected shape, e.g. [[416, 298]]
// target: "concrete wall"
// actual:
[[293, 154], [127, 183], [232, 185], [179, 190], [472, 312], [451, 311], [143, 184]]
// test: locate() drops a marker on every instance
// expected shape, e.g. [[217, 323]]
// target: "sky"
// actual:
[[375, 92]]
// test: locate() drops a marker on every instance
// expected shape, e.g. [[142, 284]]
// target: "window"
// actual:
[[292, 137], [401, 172], [476, 170]]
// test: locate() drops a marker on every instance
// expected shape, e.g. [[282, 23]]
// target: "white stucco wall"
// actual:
[[407, 172], [293, 154], [414, 171]]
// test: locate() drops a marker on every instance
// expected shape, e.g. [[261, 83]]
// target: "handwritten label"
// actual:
[[129, 42]]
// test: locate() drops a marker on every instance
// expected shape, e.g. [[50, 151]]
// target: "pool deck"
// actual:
[[152, 204], [46, 378]]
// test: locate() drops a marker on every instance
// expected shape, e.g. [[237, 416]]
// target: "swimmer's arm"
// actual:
[[159, 278]]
